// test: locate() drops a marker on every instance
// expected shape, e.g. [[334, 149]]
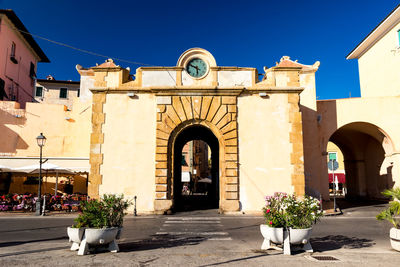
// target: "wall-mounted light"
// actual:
[[263, 94], [67, 118], [319, 118], [130, 94]]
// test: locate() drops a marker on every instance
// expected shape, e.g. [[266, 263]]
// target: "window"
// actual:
[[32, 72], [12, 54], [183, 161], [39, 91], [63, 92], [398, 35]]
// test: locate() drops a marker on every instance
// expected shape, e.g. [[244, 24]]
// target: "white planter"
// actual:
[[119, 233], [272, 234], [300, 236], [75, 236], [100, 236], [395, 238], [95, 237]]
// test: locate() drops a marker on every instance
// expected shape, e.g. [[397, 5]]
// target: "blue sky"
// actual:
[[238, 33]]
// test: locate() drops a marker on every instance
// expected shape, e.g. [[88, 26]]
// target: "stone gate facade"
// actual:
[[258, 123]]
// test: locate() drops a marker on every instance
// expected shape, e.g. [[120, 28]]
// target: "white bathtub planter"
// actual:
[[99, 225], [289, 221], [272, 236], [95, 237], [292, 239], [395, 238], [75, 236], [392, 214], [301, 239]]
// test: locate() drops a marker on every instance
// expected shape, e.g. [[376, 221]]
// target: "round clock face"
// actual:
[[196, 67]]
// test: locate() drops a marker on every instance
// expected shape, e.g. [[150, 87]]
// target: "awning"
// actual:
[[341, 177], [79, 165]]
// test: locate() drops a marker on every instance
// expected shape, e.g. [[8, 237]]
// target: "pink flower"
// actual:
[[270, 222], [268, 210]]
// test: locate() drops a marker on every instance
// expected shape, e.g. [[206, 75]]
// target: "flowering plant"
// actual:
[[274, 210], [282, 210], [302, 213]]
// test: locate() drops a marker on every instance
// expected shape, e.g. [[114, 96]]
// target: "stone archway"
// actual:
[[218, 114], [366, 150], [195, 200]]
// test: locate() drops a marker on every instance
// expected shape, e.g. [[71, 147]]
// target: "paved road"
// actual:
[[201, 238]]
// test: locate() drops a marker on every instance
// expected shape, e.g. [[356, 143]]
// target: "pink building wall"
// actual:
[[19, 85]]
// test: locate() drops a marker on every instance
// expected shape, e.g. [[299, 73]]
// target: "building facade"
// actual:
[[227, 107], [52, 91], [19, 55]]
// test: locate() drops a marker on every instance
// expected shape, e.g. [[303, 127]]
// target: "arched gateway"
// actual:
[[200, 199], [141, 122]]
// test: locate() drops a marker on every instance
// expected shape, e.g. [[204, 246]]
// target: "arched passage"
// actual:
[[183, 201], [365, 148]]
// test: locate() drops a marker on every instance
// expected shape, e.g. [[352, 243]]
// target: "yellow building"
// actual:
[[253, 128], [367, 129], [264, 135]]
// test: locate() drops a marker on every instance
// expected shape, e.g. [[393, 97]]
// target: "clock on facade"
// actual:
[[197, 68]]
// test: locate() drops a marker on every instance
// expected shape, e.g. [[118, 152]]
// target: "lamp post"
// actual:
[[41, 140]]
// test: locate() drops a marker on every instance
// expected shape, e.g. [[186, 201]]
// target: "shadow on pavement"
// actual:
[[355, 203], [32, 251], [234, 260], [16, 243], [160, 241], [333, 242]]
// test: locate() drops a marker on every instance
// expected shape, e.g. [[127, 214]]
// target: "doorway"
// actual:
[[196, 169]]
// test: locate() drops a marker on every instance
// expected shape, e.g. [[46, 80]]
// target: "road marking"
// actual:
[[192, 233], [220, 238], [194, 218], [193, 222]]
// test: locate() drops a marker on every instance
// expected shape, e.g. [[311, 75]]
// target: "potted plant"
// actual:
[[289, 216], [274, 213], [301, 214], [390, 215], [101, 221]]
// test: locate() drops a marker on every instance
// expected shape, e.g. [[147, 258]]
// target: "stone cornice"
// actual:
[[185, 90]]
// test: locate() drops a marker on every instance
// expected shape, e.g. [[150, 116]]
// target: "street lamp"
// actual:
[[41, 140]]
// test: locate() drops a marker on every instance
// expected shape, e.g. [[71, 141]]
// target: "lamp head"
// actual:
[[41, 140]]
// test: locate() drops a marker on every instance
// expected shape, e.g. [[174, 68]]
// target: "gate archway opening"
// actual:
[[188, 192], [366, 150]]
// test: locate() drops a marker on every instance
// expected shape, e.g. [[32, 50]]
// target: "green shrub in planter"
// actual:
[[393, 210], [107, 212]]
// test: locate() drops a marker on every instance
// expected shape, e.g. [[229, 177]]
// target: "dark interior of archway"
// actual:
[[196, 202], [363, 157]]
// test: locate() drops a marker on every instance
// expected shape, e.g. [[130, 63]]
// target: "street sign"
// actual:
[[332, 156], [333, 165]]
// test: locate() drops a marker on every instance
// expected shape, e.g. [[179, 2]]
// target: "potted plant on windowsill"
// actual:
[[390, 215], [289, 218], [100, 222]]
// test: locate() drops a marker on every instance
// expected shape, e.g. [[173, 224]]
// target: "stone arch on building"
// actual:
[[367, 152], [211, 116], [185, 133]]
